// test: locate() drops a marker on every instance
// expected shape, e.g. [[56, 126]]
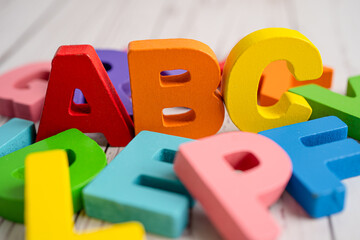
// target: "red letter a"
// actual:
[[79, 67]]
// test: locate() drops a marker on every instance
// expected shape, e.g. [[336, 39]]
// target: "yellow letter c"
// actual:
[[243, 69]]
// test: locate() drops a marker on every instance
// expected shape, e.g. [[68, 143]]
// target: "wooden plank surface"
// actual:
[[33, 30]]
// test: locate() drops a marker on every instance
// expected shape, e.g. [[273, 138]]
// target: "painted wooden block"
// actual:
[[79, 67], [277, 79], [86, 160], [116, 66], [22, 91], [196, 89], [16, 134], [140, 184], [242, 73], [236, 176], [322, 156], [327, 103], [49, 214]]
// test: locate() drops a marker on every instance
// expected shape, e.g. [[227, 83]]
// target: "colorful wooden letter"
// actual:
[[326, 103], [86, 160], [140, 184], [49, 214], [152, 92], [22, 91], [116, 66], [236, 202], [79, 67], [277, 79], [243, 69], [321, 155], [16, 134]]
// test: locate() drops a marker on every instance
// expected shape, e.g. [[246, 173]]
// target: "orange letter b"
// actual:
[[195, 88]]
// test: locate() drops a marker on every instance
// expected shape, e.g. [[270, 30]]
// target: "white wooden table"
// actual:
[[33, 30]]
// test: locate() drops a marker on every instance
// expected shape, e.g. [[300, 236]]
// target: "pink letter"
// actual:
[[22, 91], [236, 176]]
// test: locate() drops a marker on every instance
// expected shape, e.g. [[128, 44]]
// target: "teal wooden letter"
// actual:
[[16, 134], [140, 185]]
